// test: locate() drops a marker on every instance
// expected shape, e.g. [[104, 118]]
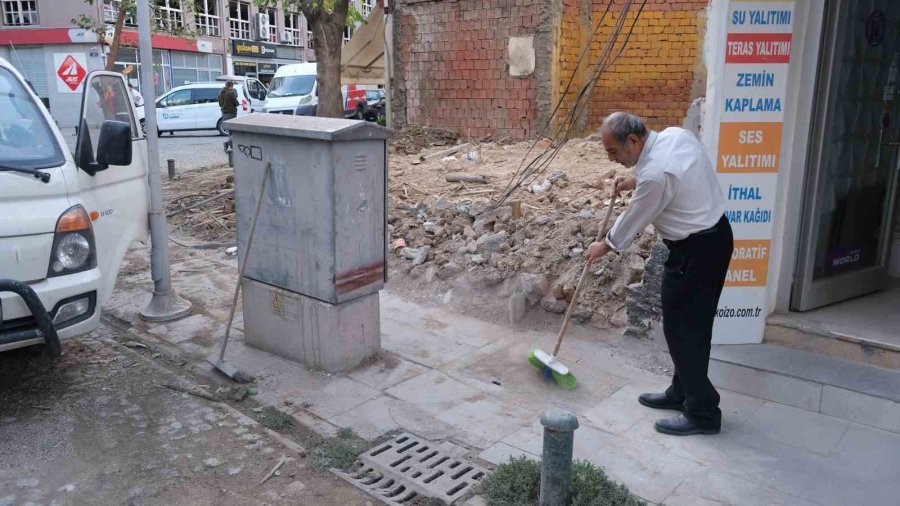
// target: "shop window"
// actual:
[[206, 12], [272, 25], [20, 12], [239, 19], [292, 29], [169, 15], [111, 12]]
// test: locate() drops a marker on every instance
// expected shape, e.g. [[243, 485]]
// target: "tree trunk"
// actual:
[[328, 32], [117, 34]]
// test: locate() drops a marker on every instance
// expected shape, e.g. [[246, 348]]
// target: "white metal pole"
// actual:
[[165, 304]]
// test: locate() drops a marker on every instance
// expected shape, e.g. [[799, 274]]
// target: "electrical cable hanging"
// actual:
[[565, 128]]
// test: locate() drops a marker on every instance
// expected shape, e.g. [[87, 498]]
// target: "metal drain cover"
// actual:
[[408, 466]]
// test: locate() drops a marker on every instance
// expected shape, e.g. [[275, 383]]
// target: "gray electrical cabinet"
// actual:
[[318, 257]]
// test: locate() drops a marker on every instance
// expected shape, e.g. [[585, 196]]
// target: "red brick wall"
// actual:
[[658, 74], [451, 66], [451, 63]]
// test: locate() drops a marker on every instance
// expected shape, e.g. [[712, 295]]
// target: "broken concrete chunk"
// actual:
[[417, 255], [494, 243], [476, 259], [542, 220]]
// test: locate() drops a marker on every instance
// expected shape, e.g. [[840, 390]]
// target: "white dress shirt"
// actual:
[[677, 190]]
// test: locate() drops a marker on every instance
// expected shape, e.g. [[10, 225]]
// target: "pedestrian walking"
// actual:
[[675, 189], [136, 96], [228, 104]]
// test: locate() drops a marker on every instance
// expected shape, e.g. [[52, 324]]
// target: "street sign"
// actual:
[[70, 71]]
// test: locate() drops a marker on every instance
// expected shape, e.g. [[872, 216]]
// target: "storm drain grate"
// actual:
[[407, 466]]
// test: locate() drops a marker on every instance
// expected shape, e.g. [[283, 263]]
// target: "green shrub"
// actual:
[[518, 483], [592, 487], [514, 483]]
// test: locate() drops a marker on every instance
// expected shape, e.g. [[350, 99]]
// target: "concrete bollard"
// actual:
[[556, 465], [170, 164]]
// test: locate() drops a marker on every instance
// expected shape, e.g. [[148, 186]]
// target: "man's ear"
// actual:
[[634, 138]]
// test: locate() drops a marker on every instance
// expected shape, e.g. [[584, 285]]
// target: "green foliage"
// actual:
[[518, 482], [592, 487], [338, 452], [276, 420], [99, 26], [514, 483]]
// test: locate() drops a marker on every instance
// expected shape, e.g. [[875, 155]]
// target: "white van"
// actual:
[[65, 220], [293, 90], [196, 107]]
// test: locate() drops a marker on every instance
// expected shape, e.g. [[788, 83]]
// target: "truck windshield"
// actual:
[[26, 140], [291, 86]]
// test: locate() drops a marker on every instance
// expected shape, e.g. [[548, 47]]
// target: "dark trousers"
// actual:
[[225, 117], [692, 283]]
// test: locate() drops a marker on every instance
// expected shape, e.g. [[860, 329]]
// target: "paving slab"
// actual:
[[765, 385], [385, 372], [870, 453], [796, 427], [875, 411], [434, 392], [647, 472], [715, 488], [488, 420], [510, 367], [420, 345], [340, 395], [370, 420], [500, 453], [619, 412]]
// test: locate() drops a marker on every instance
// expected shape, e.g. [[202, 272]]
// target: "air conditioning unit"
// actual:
[[287, 37], [261, 22]]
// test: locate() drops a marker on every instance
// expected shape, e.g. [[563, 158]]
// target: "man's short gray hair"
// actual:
[[622, 124]]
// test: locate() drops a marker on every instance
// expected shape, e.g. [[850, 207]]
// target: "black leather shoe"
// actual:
[[683, 426], [660, 401]]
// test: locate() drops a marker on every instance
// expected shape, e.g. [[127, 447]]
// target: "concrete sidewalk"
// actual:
[[444, 376]]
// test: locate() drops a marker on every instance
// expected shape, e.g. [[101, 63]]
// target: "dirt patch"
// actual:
[[413, 139]]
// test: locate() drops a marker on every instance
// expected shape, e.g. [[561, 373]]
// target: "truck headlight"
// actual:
[[305, 99], [73, 244]]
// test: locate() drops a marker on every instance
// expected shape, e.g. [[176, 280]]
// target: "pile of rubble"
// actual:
[[451, 243]]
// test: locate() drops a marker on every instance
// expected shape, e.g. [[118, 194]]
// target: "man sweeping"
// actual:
[[675, 189]]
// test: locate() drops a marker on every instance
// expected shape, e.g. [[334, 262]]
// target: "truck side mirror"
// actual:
[[114, 147]]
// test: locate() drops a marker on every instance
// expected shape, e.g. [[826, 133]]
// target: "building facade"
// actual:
[[499, 67], [42, 40]]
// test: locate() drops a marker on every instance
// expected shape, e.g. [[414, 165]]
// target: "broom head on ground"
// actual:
[[553, 369]]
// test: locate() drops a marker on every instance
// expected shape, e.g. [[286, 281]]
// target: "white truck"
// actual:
[[66, 219]]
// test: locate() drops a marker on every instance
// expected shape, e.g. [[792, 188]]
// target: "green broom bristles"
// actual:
[[566, 381]]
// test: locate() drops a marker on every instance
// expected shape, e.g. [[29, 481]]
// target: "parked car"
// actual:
[[375, 105], [67, 219], [293, 90], [196, 107]]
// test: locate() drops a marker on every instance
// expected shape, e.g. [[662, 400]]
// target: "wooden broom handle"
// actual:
[[600, 234]]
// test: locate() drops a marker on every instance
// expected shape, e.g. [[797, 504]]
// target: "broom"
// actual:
[[552, 368]]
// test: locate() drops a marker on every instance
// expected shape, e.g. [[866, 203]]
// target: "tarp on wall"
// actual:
[[362, 59]]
